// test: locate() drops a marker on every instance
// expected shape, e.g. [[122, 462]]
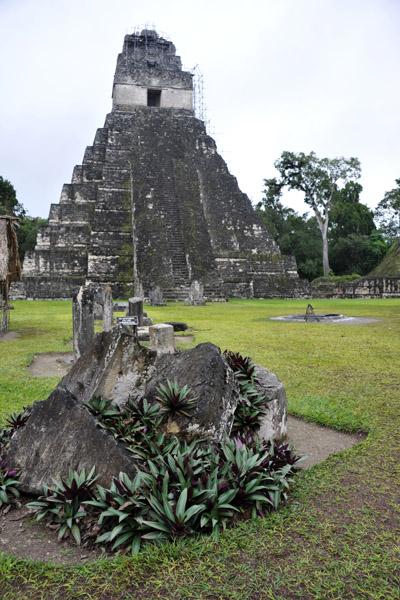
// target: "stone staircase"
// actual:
[[173, 228]]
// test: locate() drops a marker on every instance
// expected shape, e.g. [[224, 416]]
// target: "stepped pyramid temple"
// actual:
[[153, 203]]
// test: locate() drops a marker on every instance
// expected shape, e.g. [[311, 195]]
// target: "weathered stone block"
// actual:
[[212, 383], [135, 309], [83, 320], [114, 367], [161, 338], [196, 294], [156, 296], [274, 422], [121, 306], [60, 435], [143, 334], [108, 318]]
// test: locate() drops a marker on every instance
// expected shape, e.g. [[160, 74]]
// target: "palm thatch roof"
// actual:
[[10, 264]]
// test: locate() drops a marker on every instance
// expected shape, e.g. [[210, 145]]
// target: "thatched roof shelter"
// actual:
[[10, 264]]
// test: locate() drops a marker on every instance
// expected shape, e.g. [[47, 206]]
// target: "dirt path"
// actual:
[[51, 365]]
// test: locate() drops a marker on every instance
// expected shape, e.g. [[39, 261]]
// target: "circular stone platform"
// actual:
[[323, 318]]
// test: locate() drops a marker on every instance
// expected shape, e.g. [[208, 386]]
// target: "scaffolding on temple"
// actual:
[[199, 106]]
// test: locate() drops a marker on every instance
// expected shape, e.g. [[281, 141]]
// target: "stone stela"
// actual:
[[85, 302]]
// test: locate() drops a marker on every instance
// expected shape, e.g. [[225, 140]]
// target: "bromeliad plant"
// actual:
[[251, 406], [63, 504], [8, 483], [187, 489], [121, 509], [173, 512], [243, 366], [246, 470], [147, 414], [250, 409], [135, 423], [175, 400], [102, 408], [9, 427], [17, 420], [109, 415]]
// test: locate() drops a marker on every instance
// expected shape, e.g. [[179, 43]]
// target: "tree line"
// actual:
[[28, 226], [342, 236]]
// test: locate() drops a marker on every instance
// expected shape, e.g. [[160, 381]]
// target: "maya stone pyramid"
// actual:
[[153, 203]]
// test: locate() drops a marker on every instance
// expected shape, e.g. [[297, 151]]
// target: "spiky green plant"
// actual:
[[8, 483], [17, 420], [147, 413], [101, 408], [121, 508], [63, 504], [174, 399], [242, 366]]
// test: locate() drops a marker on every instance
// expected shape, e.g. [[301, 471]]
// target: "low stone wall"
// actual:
[[261, 276], [365, 287], [37, 288]]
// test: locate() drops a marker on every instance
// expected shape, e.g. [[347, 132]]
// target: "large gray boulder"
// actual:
[[273, 425], [115, 367], [211, 381], [61, 434]]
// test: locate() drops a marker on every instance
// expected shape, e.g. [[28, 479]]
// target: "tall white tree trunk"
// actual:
[[323, 227], [325, 259]]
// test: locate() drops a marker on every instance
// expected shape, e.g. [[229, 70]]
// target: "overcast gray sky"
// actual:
[[298, 75]]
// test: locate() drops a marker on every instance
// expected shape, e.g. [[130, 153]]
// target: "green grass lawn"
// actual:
[[339, 535]]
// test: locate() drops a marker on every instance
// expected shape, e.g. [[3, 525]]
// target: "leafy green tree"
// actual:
[[9, 204], [319, 179], [27, 233], [387, 214], [27, 227], [354, 243], [348, 215], [357, 253], [274, 215], [303, 240], [296, 234], [355, 246]]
